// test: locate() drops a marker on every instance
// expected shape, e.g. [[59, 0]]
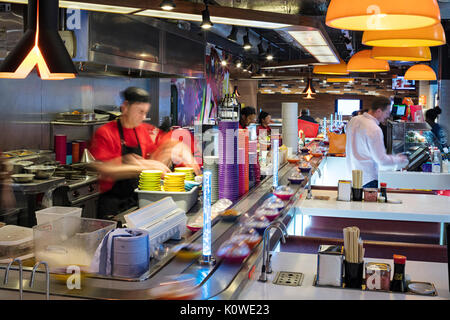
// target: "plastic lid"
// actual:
[[383, 184], [13, 235], [399, 259]]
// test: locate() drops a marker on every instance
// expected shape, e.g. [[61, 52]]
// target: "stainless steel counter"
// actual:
[[221, 281]]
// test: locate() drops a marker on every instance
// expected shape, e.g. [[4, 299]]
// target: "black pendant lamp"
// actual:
[[233, 34], [40, 47], [309, 89], [247, 45], [206, 21]]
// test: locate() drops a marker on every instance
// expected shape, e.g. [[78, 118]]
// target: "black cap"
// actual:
[[135, 94]]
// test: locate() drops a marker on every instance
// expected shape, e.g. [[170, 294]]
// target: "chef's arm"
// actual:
[[131, 167], [378, 151]]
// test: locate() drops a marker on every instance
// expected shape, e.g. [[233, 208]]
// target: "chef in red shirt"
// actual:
[[123, 148], [248, 116]]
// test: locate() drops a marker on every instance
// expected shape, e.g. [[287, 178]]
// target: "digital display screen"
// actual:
[[401, 110], [347, 106], [400, 83]]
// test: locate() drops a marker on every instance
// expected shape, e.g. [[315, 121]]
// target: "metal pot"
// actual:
[[18, 166], [41, 172], [22, 177]]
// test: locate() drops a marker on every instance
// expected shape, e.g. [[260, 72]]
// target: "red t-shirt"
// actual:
[[260, 127], [106, 146]]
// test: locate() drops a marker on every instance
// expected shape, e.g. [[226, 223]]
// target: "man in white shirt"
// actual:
[[365, 148]]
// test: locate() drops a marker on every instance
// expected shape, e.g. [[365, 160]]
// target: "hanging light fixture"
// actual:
[[206, 21], [238, 64], [247, 45], [269, 54], [309, 89], [420, 37], [382, 14], [402, 54], [420, 72], [40, 46], [261, 51], [167, 5], [335, 69], [362, 61], [233, 34]]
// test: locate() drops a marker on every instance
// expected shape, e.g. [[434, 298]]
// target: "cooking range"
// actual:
[[80, 190]]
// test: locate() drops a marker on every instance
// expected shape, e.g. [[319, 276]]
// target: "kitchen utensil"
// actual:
[[18, 166], [22, 177], [40, 171]]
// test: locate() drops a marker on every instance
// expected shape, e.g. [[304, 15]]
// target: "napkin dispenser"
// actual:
[[163, 220], [344, 190], [330, 260]]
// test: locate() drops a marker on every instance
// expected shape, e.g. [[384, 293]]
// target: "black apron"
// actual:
[[122, 196]]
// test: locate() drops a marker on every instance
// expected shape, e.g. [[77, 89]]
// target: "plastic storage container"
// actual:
[[184, 200], [52, 213], [69, 241], [15, 242]]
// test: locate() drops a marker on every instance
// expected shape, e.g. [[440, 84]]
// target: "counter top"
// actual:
[[435, 273], [414, 207]]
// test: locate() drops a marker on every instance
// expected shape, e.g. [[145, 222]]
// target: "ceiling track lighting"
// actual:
[[269, 54], [247, 45], [233, 34], [167, 5], [40, 46], [206, 20]]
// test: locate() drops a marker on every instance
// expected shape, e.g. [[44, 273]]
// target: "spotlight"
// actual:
[[233, 34], [247, 45], [206, 21], [238, 64], [167, 5]]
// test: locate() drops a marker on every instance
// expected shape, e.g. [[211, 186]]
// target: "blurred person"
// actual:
[[248, 116], [365, 148], [264, 121], [306, 116], [126, 146], [437, 136]]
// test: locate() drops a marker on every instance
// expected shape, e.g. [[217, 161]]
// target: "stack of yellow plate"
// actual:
[[150, 180], [174, 182], [189, 172]]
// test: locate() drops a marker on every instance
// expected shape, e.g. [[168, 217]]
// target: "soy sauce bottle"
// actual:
[[398, 283]]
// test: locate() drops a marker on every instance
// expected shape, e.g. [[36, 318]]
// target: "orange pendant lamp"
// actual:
[[362, 61], [40, 46], [382, 14], [420, 72], [402, 54], [420, 37], [334, 69]]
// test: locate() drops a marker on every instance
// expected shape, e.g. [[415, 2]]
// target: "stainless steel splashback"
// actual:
[[11, 28], [141, 46]]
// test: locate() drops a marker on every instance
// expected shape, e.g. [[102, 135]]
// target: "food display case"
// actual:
[[402, 136]]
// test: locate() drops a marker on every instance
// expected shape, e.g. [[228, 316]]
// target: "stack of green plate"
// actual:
[[174, 182], [150, 180], [189, 172]]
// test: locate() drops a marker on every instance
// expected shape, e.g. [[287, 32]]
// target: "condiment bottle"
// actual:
[[383, 193], [398, 283]]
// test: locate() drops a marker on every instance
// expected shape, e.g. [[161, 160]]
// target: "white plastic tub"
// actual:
[[52, 213], [16, 242]]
